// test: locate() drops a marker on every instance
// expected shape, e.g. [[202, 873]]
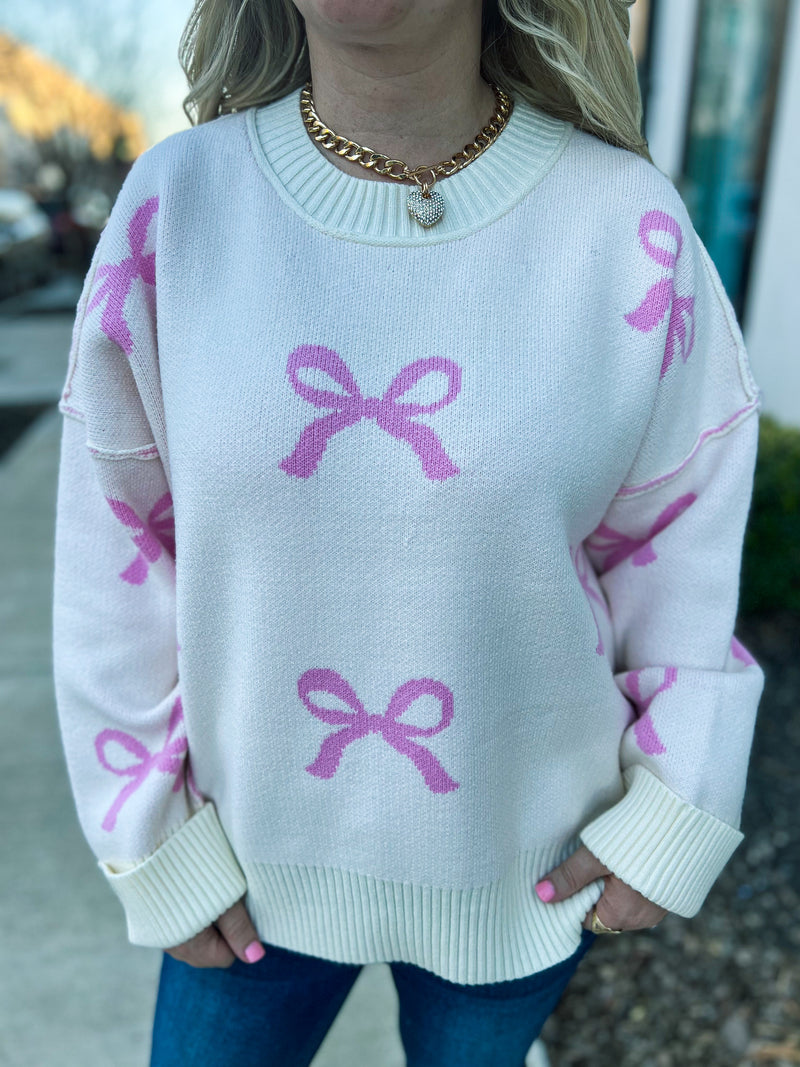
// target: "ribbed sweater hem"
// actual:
[[652, 839], [488, 933]]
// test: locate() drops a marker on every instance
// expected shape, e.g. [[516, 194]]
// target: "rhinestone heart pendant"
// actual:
[[428, 211]]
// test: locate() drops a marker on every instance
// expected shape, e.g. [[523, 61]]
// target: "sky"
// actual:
[[126, 49]]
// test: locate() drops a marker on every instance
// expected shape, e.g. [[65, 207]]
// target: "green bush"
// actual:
[[771, 558]]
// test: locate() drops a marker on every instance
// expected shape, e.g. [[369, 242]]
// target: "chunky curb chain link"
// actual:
[[383, 165]]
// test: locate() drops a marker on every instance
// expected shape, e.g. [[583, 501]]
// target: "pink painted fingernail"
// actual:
[[545, 891], [254, 952]]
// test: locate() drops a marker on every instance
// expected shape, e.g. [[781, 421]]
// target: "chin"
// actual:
[[357, 14]]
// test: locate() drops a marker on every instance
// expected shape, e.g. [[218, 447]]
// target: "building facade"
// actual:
[[721, 89]]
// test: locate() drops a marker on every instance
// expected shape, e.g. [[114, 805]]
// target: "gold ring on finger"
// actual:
[[599, 927]]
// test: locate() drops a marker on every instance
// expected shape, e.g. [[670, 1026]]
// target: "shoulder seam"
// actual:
[[149, 451], [76, 344], [714, 432], [71, 413], [748, 383]]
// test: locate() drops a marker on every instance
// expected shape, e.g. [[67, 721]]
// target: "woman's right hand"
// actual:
[[228, 938]]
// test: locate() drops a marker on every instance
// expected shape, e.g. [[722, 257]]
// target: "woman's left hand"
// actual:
[[620, 907]]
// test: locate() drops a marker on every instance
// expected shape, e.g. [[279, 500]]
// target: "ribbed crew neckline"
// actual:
[[372, 212]]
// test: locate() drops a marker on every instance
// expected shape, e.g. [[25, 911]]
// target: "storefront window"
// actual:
[[642, 19], [736, 65]]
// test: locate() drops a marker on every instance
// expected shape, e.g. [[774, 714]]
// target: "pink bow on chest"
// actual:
[[358, 723], [391, 414]]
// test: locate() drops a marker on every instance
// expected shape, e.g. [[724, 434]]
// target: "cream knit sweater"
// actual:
[[392, 563]]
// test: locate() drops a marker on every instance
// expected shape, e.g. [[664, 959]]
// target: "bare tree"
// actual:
[[103, 44]]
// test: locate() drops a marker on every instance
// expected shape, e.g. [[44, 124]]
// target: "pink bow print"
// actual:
[[584, 571], [359, 723], [644, 731], [661, 296], [119, 277], [151, 537], [169, 759], [619, 545], [389, 413]]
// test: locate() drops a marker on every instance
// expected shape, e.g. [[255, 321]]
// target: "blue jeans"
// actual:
[[276, 1013]]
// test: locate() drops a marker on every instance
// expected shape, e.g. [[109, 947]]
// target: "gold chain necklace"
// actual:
[[425, 204]]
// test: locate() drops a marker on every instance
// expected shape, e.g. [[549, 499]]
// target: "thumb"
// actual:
[[237, 928], [577, 870]]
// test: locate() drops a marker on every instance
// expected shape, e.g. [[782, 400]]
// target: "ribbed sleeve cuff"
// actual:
[[183, 886], [668, 850]]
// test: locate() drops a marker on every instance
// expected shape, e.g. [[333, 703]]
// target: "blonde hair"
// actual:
[[570, 58]]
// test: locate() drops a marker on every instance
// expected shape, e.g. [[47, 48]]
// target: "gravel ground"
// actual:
[[723, 988]]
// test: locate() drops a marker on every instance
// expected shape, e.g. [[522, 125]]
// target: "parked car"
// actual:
[[89, 211], [25, 239], [77, 216]]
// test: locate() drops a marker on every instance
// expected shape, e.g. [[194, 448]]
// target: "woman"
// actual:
[[395, 589]]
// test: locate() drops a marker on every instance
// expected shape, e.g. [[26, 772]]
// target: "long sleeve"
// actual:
[[667, 557], [157, 839]]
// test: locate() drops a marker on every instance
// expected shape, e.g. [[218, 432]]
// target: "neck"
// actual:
[[417, 100]]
